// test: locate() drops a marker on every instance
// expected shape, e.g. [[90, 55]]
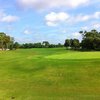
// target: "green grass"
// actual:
[[49, 74], [75, 55]]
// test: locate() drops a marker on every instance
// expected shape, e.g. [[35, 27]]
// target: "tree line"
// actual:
[[44, 44], [7, 43], [90, 41]]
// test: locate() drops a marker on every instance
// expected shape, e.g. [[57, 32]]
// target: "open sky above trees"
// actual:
[[50, 20]]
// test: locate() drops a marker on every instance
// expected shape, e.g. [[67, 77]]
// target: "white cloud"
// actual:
[[48, 4], [76, 35], [8, 18], [84, 28], [48, 23], [91, 26], [27, 31], [84, 18], [53, 19], [96, 25], [76, 3], [96, 15]]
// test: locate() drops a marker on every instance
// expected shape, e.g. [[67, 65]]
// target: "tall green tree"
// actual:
[[72, 43], [67, 43], [5, 41], [45, 44], [16, 45], [91, 40], [75, 44], [2, 40]]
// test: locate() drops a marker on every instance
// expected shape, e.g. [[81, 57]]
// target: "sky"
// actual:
[[48, 20]]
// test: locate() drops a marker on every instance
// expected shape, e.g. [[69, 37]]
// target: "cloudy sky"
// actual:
[[51, 20]]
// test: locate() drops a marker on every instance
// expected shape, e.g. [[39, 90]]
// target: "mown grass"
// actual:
[[49, 74]]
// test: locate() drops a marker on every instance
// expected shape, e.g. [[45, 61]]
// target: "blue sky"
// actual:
[[48, 20]]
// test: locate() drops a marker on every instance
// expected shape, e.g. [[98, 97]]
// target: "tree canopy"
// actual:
[[72, 43], [5, 41], [90, 41]]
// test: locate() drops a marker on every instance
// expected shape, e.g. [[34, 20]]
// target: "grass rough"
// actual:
[[49, 74]]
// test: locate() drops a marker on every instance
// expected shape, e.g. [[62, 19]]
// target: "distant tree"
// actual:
[[75, 44], [72, 43], [25, 45], [60, 45], [11, 43], [52, 45], [16, 45], [45, 44], [67, 43], [37, 45]]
